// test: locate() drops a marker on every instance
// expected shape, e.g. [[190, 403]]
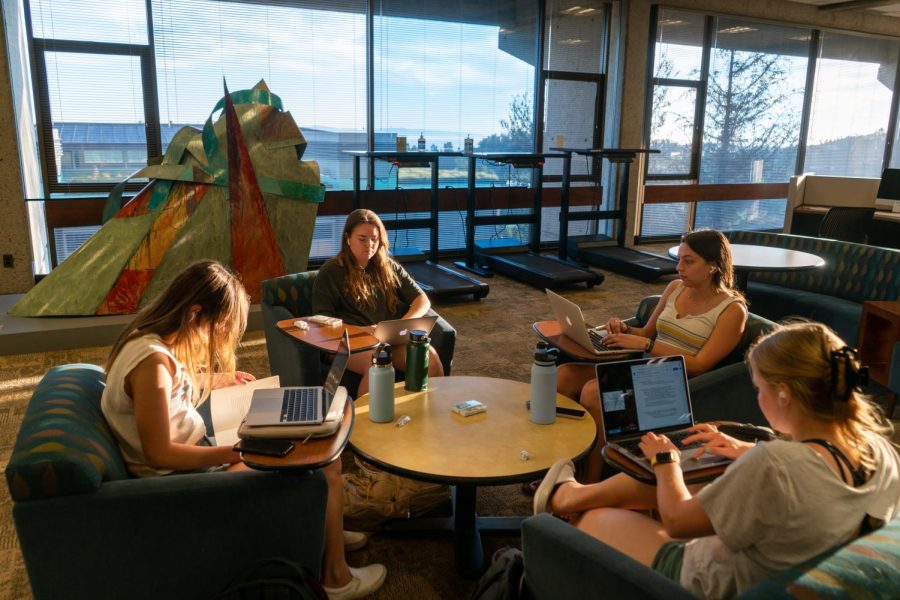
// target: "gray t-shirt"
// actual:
[[328, 297], [778, 505]]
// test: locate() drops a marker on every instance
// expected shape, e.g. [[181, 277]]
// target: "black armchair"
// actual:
[[846, 223]]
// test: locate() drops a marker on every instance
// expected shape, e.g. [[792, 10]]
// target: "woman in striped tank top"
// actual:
[[700, 316]]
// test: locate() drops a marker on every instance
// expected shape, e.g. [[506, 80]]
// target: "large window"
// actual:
[[740, 106], [115, 81], [851, 105]]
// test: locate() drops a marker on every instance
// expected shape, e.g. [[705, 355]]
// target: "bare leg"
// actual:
[[359, 363], [619, 491], [629, 532], [435, 366], [335, 571], [571, 377], [590, 400]]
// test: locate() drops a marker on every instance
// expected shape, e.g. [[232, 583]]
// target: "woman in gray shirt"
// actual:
[[780, 503]]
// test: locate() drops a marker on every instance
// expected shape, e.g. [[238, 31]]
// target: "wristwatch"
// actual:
[[664, 458]]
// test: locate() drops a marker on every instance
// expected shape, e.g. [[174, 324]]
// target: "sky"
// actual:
[[430, 76]]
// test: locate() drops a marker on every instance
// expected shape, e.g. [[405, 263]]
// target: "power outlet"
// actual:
[[8, 262]]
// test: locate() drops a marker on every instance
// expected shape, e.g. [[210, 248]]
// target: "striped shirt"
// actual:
[[689, 332]]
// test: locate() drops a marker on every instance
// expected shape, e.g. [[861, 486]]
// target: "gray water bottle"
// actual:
[[543, 384], [381, 385]]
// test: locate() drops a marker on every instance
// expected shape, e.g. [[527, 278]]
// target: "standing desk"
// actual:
[[643, 265], [435, 279], [522, 262]]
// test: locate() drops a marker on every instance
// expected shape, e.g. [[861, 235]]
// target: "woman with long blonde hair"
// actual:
[[363, 285], [834, 475], [166, 362]]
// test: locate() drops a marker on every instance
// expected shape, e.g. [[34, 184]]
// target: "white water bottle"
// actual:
[[543, 384], [381, 385]]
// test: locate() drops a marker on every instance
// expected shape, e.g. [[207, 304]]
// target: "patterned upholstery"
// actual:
[[64, 445], [852, 271], [293, 292], [865, 568]]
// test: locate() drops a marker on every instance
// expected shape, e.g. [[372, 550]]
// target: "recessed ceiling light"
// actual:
[[585, 11], [570, 10], [738, 29], [801, 38], [671, 22], [572, 41]]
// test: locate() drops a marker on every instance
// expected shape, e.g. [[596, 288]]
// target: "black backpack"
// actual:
[[274, 579], [503, 579]]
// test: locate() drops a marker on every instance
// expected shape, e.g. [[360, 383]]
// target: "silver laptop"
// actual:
[[571, 322], [291, 412], [394, 332], [648, 394]]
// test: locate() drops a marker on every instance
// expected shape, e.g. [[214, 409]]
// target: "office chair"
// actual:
[[846, 223]]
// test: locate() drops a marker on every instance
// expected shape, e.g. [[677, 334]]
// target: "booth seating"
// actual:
[[562, 562], [296, 363], [89, 530], [726, 392], [832, 294]]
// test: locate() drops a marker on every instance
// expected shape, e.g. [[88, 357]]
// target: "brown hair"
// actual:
[[199, 345], [362, 284], [713, 247], [799, 355]]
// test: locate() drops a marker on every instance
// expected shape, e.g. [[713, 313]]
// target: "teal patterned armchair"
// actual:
[[88, 529], [562, 562], [726, 392], [290, 296]]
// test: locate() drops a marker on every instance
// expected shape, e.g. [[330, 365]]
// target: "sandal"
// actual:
[[561, 472]]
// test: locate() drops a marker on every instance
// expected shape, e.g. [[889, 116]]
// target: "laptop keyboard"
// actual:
[[633, 444], [597, 340], [300, 405]]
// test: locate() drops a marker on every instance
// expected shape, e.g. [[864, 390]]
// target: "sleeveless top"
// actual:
[[689, 332], [186, 426]]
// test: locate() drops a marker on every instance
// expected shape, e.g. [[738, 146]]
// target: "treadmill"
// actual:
[[437, 281], [510, 257], [601, 250]]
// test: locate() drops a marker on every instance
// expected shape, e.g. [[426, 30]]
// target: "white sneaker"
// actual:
[[354, 540], [366, 581]]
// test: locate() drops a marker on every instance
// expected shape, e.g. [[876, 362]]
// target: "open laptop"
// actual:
[[394, 332], [293, 412], [571, 322], [648, 394]]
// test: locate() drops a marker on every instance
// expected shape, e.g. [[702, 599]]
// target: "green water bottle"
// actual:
[[417, 361]]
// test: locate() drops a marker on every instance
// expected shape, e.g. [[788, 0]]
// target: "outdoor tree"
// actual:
[[518, 128], [751, 116]]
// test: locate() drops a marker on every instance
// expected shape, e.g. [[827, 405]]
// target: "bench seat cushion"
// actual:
[[778, 303]]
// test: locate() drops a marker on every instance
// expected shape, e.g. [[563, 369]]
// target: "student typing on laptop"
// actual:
[[779, 503], [363, 285], [178, 347], [700, 316]]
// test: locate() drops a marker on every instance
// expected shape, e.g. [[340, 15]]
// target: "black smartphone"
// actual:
[[266, 447], [572, 413]]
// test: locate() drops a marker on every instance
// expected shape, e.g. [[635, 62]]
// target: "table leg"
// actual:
[[466, 527]]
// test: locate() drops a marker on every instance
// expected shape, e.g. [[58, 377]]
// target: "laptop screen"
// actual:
[[336, 372], [645, 394]]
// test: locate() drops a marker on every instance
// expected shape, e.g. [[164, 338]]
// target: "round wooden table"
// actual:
[[440, 446], [750, 257]]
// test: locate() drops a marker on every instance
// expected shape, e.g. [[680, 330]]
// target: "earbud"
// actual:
[[781, 398]]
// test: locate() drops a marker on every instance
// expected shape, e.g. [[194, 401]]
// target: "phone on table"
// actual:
[[572, 413], [266, 447]]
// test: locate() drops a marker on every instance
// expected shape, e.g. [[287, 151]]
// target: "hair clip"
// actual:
[[846, 373]]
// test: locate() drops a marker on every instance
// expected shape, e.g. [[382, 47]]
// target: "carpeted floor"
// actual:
[[495, 339]]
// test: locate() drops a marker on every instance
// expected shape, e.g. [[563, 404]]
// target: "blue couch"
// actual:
[[89, 530], [562, 563], [832, 294]]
